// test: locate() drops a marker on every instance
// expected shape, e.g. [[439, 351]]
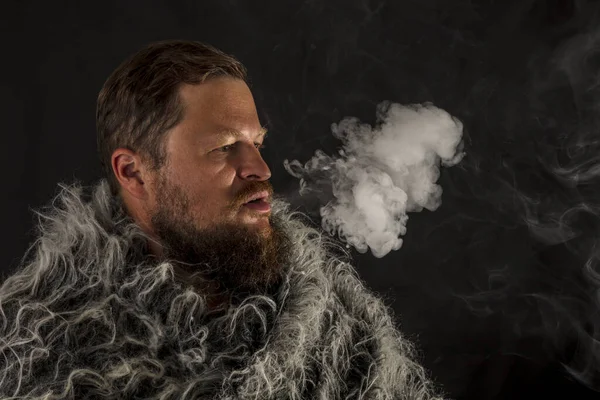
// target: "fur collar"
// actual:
[[88, 315]]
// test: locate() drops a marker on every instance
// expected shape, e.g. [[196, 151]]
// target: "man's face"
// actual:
[[198, 210]]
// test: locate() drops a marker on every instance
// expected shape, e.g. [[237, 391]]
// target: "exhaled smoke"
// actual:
[[575, 216], [551, 185], [383, 172]]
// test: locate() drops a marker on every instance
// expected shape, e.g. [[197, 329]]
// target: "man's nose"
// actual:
[[254, 166]]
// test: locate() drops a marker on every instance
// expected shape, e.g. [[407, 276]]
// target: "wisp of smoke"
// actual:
[[383, 173], [547, 182]]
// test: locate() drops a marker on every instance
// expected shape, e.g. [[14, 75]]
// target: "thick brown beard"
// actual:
[[226, 258]]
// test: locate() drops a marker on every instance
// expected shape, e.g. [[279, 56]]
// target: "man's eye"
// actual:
[[225, 149]]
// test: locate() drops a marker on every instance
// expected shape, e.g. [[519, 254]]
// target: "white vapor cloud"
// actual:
[[384, 172]]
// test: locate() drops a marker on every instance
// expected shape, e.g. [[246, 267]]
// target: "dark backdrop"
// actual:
[[498, 287]]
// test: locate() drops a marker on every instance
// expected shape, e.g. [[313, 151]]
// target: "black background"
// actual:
[[496, 307]]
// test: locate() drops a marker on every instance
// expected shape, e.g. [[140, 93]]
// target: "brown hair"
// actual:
[[140, 102]]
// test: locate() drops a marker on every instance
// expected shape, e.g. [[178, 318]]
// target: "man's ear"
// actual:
[[129, 171]]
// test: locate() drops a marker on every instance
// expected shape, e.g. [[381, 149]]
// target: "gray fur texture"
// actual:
[[88, 316]]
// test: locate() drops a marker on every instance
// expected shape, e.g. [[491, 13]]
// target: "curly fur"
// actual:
[[88, 315]]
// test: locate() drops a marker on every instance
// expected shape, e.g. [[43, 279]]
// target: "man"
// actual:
[[180, 275]]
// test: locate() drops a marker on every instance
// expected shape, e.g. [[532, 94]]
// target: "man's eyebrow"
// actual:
[[225, 134]]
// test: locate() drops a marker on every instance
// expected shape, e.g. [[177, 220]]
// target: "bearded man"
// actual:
[[180, 275]]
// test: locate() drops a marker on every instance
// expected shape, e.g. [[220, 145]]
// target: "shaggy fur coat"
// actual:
[[88, 316]]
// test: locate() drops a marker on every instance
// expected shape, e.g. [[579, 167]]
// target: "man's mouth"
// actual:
[[258, 205]]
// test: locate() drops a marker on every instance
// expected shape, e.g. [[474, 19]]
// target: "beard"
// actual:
[[225, 259]]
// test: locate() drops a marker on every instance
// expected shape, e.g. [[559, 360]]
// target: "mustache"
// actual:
[[253, 188]]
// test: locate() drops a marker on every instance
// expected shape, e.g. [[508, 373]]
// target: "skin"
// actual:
[[192, 208]]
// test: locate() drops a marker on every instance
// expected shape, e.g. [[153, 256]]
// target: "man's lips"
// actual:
[[264, 195], [260, 205], [259, 201]]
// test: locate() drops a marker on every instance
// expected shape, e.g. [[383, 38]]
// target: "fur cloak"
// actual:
[[88, 316]]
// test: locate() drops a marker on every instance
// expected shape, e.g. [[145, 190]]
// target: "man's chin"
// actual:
[[264, 228], [245, 255], [256, 222]]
